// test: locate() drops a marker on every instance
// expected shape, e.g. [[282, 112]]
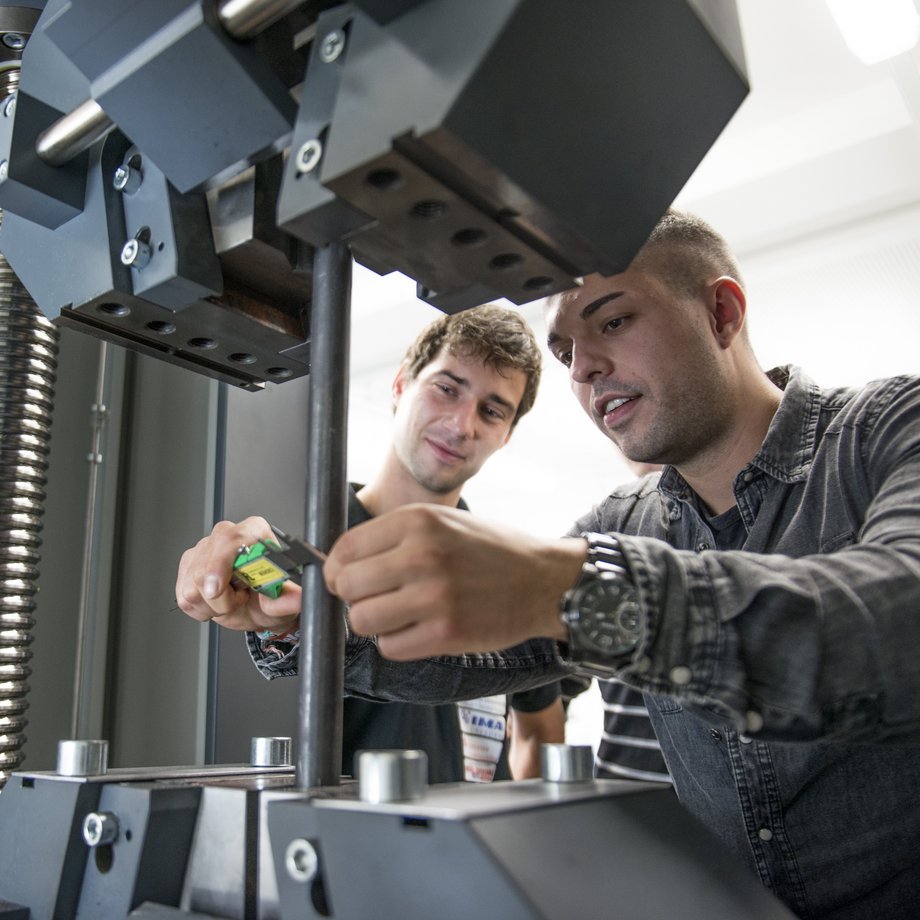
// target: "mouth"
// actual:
[[613, 409], [444, 453]]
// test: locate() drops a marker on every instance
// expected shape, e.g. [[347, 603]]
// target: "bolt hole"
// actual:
[[385, 179], [105, 858], [538, 283], [281, 373], [470, 236], [428, 208], [505, 260], [242, 357], [161, 327], [203, 343], [114, 309]]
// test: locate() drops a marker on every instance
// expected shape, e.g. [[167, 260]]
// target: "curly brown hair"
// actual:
[[495, 335]]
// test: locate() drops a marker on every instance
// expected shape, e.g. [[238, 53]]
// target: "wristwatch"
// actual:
[[602, 612]]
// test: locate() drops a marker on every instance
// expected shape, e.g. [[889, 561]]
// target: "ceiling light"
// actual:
[[878, 30]]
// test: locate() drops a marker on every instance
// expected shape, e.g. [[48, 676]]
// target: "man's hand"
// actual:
[[204, 589], [428, 580]]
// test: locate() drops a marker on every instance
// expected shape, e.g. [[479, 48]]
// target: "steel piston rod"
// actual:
[[82, 127], [318, 758]]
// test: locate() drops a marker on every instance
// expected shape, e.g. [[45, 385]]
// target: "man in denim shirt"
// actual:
[[764, 592]]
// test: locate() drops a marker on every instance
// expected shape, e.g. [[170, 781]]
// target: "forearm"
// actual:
[[434, 680], [529, 732], [795, 649]]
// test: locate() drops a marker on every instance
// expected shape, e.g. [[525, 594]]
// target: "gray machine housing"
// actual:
[[485, 148], [229, 842]]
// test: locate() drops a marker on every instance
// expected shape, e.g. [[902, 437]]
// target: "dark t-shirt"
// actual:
[[436, 730]]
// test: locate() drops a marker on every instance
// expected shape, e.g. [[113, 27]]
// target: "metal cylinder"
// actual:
[[247, 18], [322, 617], [73, 133], [28, 368], [82, 758], [566, 763], [392, 776], [270, 752]]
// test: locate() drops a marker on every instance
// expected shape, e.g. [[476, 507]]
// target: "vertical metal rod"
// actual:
[[79, 713], [322, 617]]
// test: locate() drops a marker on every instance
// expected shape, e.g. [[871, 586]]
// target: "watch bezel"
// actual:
[[604, 572]]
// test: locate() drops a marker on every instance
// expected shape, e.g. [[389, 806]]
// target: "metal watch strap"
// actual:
[[605, 563]]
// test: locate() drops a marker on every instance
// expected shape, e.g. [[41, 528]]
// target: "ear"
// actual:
[[400, 382], [728, 305]]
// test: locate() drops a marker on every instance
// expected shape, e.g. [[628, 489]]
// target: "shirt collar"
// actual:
[[787, 451]]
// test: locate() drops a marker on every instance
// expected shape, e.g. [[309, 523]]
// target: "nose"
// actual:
[[589, 361], [462, 419]]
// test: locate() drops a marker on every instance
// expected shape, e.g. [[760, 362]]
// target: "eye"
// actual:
[[613, 324], [563, 357], [493, 414]]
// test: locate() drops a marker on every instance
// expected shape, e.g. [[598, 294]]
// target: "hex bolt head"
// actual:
[[309, 155], [100, 828], [126, 179], [332, 46], [136, 254], [9, 107], [301, 861], [15, 41]]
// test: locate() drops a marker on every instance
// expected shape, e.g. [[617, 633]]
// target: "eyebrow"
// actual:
[[588, 311], [493, 397], [595, 305]]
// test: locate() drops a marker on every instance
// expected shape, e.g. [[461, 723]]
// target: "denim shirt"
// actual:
[[783, 678]]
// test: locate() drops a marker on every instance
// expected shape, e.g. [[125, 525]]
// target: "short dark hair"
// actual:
[[684, 252], [497, 336]]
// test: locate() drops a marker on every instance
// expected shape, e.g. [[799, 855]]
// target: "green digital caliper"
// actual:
[[266, 565]]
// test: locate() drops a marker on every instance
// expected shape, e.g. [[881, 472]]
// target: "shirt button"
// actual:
[[748, 476], [765, 833], [681, 675], [700, 547], [753, 721], [715, 734], [744, 739], [674, 512]]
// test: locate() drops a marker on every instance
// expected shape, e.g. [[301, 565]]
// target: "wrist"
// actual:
[[561, 569], [601, 614]]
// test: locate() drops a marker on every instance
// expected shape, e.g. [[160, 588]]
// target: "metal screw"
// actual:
[[137, 254], [309, 155], [100, 828], [301, 861], [9, 107], [4, 169], [126, 179], [332, 46], [14, 40]]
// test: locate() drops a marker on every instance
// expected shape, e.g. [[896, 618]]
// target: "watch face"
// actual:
[[608, 618]]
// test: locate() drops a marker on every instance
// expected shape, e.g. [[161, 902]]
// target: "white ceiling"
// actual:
[[816, 184]]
